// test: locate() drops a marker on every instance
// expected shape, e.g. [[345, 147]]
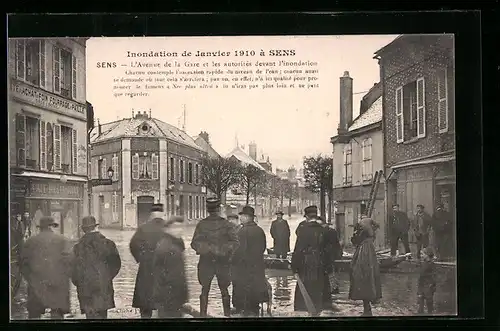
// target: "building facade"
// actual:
[[418, 75], [47, 130], [153, 162], [357, 155]]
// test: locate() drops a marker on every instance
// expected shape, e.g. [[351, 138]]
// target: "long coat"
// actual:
[[311, 259], [97, 262], [280, 231], [399, 222], [46, 264], [170, 290], [365, 271], [142, 246], [249, 278]]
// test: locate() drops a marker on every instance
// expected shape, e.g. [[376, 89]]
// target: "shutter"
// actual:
[[104, 169], [56, 58], [154, 165], [95, 168], [74, 150], [21, 59], [43, 146], [73, 77], [363, 160], [21, 139], [114, 164], [443, 100], [399, 116], [420, 108], [42, 62], [135, 166], [57, 147], [115, 206]]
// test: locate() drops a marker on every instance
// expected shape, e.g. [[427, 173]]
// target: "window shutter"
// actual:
[[154, 165], [114, 164], [399, 116], [57, 147], [115, 206], [21, 139], [56, 58], [104, 169], [443, 100], [74, 150], [135, 166], [21, 59], [42, 62], [420, 107], [73, 76], [43, 146], [95, 168]]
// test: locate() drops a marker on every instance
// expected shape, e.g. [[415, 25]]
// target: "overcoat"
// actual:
[[249, 278], [97, 262], [427, 279], [399, 222], [142, 246], [46, 264], [280, 231]]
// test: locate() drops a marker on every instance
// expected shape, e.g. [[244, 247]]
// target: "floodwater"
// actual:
[[398, 289]]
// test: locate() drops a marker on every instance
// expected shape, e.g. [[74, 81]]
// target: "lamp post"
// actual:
[[98, 182]]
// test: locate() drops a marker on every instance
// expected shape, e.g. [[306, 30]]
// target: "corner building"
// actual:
[[153, 162]]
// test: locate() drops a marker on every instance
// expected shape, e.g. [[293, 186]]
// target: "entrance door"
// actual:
[[181, 205], [144, 204], [101, 210]]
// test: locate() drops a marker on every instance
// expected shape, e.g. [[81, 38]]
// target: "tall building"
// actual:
[[153, 162], [47, 130]]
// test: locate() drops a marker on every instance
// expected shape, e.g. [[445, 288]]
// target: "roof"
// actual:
[[371, 116], [203, 144], [128, 127], [238, 153], [382, 50]]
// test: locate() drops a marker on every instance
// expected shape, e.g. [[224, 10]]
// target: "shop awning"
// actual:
[[33, 174], [441, 159]]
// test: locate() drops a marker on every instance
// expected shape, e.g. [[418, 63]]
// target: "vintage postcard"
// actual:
[[227, 177]]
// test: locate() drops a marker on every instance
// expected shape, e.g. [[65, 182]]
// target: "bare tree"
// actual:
[[220, 173], [291, 193], [250, 178], [318, 174]]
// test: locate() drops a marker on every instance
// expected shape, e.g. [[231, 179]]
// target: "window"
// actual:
[[190, 173], [114, 206], [66, 147], [442, 76], [367, 165], [197, 206], [203, 210], [190, 207], [114, 165], [145, 167], [103, 170], [181, 171], [49, 137], [172, 204], [197, 174], [154, 166], [410, 111], [172, 169], [32, 140], [64, 72], [347, 177], [30, 61]]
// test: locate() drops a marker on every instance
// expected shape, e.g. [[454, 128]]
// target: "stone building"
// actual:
[[153, 162], [418, 77], [357, 155], [47, 115]]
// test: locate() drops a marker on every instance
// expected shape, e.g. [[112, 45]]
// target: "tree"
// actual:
[[220, 173], [291, 193], [318, 175], [250, 178]]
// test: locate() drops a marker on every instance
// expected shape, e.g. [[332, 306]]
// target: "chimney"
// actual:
[[98, 128], [149, 112], [252, 150], [205, 136], [345, 103], [133, 114]]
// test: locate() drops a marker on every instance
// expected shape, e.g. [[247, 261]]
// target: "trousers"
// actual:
[[395, 237]]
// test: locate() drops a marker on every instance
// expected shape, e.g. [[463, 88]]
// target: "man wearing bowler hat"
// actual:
[[46, 265], [97, 262], [280, 231], [215, 241]]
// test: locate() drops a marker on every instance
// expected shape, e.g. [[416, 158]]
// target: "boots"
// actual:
[[226, 305], [203, 305]]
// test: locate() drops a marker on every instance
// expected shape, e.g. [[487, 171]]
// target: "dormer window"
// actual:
[[144, 128]]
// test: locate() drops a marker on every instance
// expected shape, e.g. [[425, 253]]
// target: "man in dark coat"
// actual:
[[280, 231], [46, 264], [215, 240], [237, 304], [97, 262], [443, 229], [142, 246], [334, 250], [170, 290], [399, 226], [311, 261], [422, 225], [249, 278]]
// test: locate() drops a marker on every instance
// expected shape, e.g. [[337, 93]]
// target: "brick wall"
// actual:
[[407, 61]]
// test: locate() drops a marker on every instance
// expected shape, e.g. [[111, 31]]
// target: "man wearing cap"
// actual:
[[422, 227], [142, 247], [215, 240], [398, 229], [443, 229], [280, 231], [97, 262], [46, 266], [249, 278]]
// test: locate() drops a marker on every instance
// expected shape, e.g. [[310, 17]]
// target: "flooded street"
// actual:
[[398, 289]]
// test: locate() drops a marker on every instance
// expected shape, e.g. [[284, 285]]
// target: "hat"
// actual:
[[89, 221], [429, 251], [47, 221], [395, 205], [157, 207], [280, 213], [421, 206], [213, 204], [247, 210], [311, 211], [232, 216]]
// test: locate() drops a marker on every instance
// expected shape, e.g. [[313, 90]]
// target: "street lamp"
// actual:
[[111, 172]]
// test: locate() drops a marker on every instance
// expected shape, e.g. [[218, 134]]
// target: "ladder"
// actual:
[[373, 192]]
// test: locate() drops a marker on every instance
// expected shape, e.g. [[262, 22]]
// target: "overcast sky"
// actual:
[[286, 124]]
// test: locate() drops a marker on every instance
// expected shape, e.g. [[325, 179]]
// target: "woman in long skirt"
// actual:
[[365, 273]]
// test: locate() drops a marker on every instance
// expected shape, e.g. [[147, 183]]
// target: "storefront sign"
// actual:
[[52, 189], [422, 173], [18, 187], [38, 97]]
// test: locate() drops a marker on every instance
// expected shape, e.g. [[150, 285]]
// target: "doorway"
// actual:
[[181, 205], [101, 210], [144, 204]]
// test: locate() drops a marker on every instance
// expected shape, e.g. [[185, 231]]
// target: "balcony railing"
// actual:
[[66, 168]]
